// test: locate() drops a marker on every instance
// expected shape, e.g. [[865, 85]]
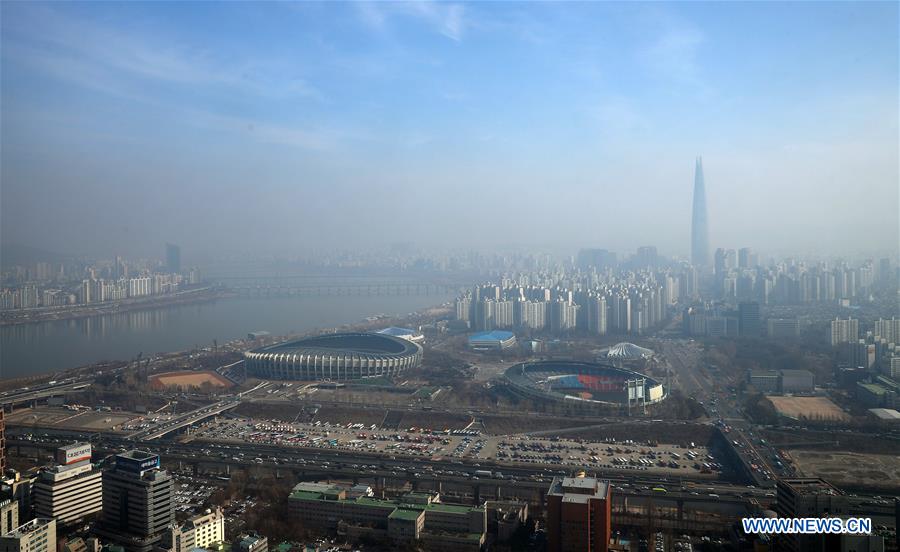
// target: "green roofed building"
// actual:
[[416, 516]]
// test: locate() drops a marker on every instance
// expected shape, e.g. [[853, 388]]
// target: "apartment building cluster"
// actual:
[[576, 304]]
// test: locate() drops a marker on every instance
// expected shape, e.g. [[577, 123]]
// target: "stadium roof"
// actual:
[[362, 343], [628, 351], [495, 335], [398, 332]]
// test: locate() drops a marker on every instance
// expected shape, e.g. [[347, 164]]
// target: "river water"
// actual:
[[32, 349]]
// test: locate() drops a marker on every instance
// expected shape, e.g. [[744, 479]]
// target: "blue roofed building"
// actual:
[[496, 340]]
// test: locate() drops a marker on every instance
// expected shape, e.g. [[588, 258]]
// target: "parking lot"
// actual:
[[607, 454]]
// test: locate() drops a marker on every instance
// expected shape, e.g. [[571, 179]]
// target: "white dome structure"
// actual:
[[628, 351]]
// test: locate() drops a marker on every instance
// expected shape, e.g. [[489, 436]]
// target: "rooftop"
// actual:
[[494, 335], [403, 513], [29, 527], [137, 455], [810, 486], [578, 486], [873, 388], [453, 508], [885, 414]]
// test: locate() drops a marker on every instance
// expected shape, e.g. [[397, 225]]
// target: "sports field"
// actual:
[[849, 468], [810, 408], [188, 379]]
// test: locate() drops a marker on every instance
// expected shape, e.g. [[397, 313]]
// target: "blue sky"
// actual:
[[125, 125]]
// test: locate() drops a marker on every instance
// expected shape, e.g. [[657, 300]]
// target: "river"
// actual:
[[32, 349]]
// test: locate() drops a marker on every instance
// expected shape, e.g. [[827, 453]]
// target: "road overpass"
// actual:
[[30, 395], [183, 421]]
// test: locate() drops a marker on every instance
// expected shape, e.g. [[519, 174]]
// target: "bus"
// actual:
[[660, 490]]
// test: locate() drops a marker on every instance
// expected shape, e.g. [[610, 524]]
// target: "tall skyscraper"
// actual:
[[137, 502], [173, 257], [699, 223]]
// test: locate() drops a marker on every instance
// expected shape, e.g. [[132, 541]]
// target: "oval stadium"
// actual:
[[585, 382], [334, 357]]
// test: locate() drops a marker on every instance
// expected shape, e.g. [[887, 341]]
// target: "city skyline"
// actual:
[[374, 110]]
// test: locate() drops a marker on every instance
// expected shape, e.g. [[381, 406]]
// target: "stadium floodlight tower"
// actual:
[[634, 391]]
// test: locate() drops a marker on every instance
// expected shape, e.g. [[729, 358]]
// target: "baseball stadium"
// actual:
[[601, 384]]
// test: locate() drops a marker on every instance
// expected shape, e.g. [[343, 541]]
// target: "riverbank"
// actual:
[[197, 357], [72, 312]]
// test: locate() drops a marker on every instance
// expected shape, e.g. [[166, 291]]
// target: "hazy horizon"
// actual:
[[278, 127]]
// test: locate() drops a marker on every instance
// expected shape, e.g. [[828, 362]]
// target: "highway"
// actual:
[[37, 392], [184, 420]]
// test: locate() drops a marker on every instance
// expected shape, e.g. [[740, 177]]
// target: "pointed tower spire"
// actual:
[[699, 223]]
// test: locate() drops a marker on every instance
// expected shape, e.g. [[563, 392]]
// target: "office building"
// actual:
[[9, 516], [37, 535], [200, 531], [803, 498], [578, 514], [797, 381], [173, 258], [765, 381], [71, 491], [699, 222], [2, 443], [137, 502], [783, 328], [844, 331], [748, 320]]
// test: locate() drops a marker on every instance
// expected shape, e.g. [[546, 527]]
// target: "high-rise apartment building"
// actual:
[[578, 514], [844, 331], [37, 535], [699, 222], [888, 329], [746, 258], [137, 501], [71, 491]]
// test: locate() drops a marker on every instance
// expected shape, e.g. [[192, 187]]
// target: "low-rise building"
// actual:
[[38, 535], [797, 381], [9, 516], [252, 543], [201, 531], [409, 518]]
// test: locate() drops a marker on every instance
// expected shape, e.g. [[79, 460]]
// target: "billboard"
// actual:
[[137, 462], [70, 454]]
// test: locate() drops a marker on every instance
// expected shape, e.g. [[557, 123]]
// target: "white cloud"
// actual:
[[446, 18]]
